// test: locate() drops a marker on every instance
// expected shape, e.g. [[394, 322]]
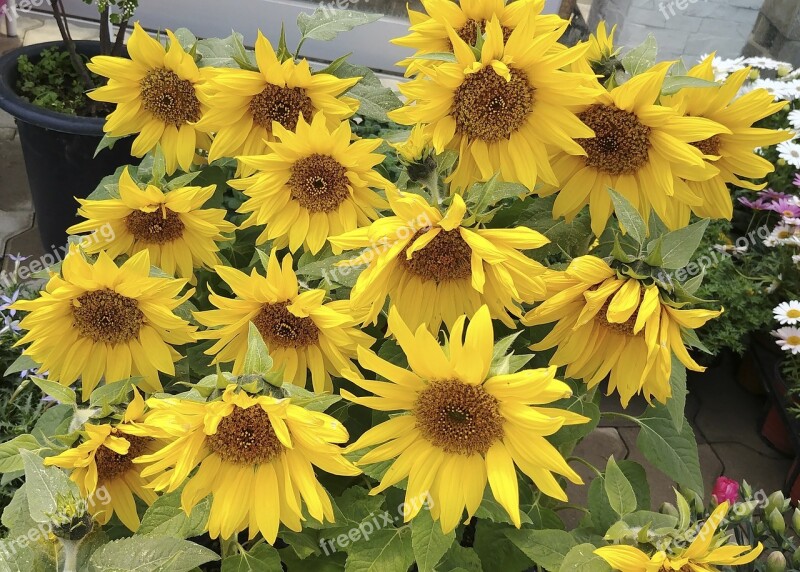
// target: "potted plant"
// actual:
[[44, 88]]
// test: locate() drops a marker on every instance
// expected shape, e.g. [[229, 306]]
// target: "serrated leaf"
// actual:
[[387, 550], [60, 393], [583, 559], [309, 400], [111, 393], [642, 57], [10, 458], [618, 489], [165, 517], [218, 52], [674, 83], [150, 554], [547, 548], [262, 558], [602, 515], [629, 218], [671, 451], [44, 486], [677, 403], [257, 359], [680, 245], [325, 24], [22, 363], [428, 541], [375, 100]]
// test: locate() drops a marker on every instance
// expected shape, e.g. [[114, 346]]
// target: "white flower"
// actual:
[[766, 63], [788, 339], [796, 258], [787, 312], [790, 152], [776, 88], [794, 119], [791, 221], [775, 284], [791, 89]]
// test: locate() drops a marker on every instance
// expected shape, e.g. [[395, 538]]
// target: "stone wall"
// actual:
[[777, 32]]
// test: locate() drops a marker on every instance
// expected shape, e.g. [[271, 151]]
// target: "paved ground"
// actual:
[[724, 416]]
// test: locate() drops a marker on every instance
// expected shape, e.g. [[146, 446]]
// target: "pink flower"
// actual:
[[797, 180], [725, 489]]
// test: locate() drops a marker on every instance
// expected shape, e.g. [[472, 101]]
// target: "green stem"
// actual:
[[300, 45], [431, 183], [70, 554], [230, 547], [586, 463], [608, 414]]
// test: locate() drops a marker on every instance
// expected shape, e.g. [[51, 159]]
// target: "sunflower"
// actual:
[[256, 456], [179, 234], [156, 93], [459, 426], [302, 334], [705, 554], [428, 33], [98, 320], [104, 461], [607, 324], [641, 149], [732, 153], [434, 268], [243, 105], [311, 183], [506, 110]]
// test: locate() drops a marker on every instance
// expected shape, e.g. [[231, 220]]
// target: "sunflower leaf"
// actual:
[[583, 559], [680, 245], [325, 24], [388, 550], [673, 84], [629, 218], [257, 359], [10, 456], [642, 57], [150, 554], [44, 486], [429, 542], [262, 557], [677, 403], [547, 548], [165, 517], [55, 390], [619, 489]]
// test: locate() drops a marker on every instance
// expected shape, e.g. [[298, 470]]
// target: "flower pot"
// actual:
[[748, 377], [58, 150]]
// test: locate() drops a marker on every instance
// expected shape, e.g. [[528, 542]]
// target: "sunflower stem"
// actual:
[[230, 547], [431, 182], [70, 554]]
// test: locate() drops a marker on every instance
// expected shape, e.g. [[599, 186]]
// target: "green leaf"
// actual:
[[583, 559], [642, 57], [629, 218], [618, 489], [480, 196], [460, 559], [308, 399], [262, 558], [150, 554], [577, 404], [107, 142], [677, 403], [602, 515], [386, 550], [257, 360], [494, 511], [428, 541], [10, 458], [375, 99], [165, 517], [60, 393], [22, 363], [547, 548], [654, 256], [44, 486], [111, 393], [219, 52], [674, 83], [680, 245], [325, 24], [672, 451], [496, 550]]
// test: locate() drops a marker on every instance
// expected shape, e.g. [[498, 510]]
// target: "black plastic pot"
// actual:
[[58, 149]]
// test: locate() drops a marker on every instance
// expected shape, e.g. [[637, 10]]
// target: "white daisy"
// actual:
[[790, 152], [788, 339], [792, 89], [766, 63], [791, 221], [794, 119], [787, 312]]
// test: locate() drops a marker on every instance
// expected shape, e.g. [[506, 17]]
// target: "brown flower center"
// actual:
[[446, 257], [111, 464], [281, 104], [460, 418], [171, 99], [105, 316], [710, 146], [282, 329], [319, 183], [469, 32], [487, 107], [624, 328], [245, 437], [157, 227], [622, 142]]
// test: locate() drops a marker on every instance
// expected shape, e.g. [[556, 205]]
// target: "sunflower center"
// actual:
[[111, 464], [487, 107], [622, 142], [157, 227], [710, 146], [171, 99], [319, 183], [446, 257], [469, 32], [281, 104], [460, 418], [105, 316], [245, 437], [280, 328], [625, 328]]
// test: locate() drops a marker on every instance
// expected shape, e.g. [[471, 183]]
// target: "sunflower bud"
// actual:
[[776, 562], [72, 520]]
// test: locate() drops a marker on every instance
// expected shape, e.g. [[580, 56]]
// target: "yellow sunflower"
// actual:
[[732, 153], [302, 334], [435, 269], [243, 105], [642, 150], [156, 93], [102, 467], [506, 110], [429, 34], [599, 57], [705, 554], [459, 426], [256, 456], [98, 320], [312, 183], [173, 226], [615, 327]]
